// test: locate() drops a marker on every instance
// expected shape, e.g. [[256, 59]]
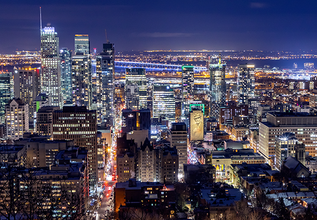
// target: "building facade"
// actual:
[[246, 83], [136, 89], [17, 119], [103, 91], [50, 62], [217, 88], [80, 125], [66, 74], [6, 93], [163, 102], [27, 87]]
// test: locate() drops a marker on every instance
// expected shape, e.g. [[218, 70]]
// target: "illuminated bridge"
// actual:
[[155, 66]]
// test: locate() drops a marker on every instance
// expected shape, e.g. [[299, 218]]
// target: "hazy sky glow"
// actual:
[[164, 24]]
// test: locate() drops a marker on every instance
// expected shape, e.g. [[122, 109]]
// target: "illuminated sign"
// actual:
[[196, 125]]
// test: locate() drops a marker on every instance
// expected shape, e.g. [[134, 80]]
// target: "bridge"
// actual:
[[155, 66]]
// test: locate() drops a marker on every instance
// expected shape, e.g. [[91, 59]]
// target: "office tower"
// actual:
[[135, 89], [81, 80], [303, 125], [17, 118], [196, 125], [287, 145], [103, 91], [50, 62], [82, 44], [44, 120], [163, 102], [217, 88], [179, 140], [27, 87], [246, 83], [79, 124], [66, 74], [6, 93], [136, 120], [187, 88]]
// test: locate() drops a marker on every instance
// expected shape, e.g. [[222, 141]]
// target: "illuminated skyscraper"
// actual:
[[103, 91], [6, 93], [66, 74], [135, 89], [187, 88], [217, 88], [27, 87], [81, 80], [163, 102], [246, 83], [50, 62], [82, 44]]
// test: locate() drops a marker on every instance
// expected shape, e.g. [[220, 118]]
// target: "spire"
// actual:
[[41, 19]]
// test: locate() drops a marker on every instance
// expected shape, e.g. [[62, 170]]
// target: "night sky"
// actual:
[[164, 24]]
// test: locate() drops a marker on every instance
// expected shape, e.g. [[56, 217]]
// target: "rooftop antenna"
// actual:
[[106, 36], [41, 19]]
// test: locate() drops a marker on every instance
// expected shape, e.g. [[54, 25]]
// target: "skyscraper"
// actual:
[[187, 88], [81, 80], [179, 140], [27, 87], [217, 88], [79, 124], [246, 83], [82, 44], [135, 89], [50, 62], [6, 93], [104, 90], [66, 74], [163, 102]]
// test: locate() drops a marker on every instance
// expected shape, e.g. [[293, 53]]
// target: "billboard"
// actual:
[[196, 125]]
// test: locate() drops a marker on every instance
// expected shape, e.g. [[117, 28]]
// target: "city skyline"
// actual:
[[164, 25]]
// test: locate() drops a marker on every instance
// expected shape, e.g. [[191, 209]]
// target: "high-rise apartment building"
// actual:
[[81, 80], [103, 91], [17, 118], [187, 88], [27, 87], [147, 169], [163, 102], [50, 62], [82, 44], [66, 74], [79, 124], [6, 93], [303, 125], [135, 89], [179, 140], [246, 83], [217, 88]]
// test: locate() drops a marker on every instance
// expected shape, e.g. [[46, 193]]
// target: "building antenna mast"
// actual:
[[41, 19]]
